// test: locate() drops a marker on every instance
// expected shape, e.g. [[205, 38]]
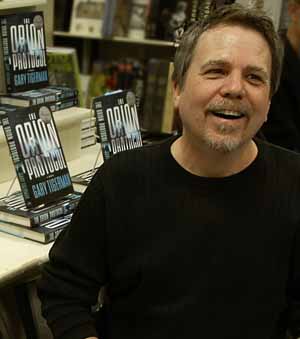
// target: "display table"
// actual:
[[20, 257]]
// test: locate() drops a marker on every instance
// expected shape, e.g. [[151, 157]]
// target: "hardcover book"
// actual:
[[37, 154], [117, 122], [49, 94], [24, 51], [14, 210], [44, 234]]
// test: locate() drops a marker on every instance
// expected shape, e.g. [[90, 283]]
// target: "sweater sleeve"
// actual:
[[76, 269]]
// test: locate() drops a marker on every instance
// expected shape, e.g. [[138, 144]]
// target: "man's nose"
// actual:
[[233, 86]]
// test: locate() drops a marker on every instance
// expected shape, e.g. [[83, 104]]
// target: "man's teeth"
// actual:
[[228, 114]]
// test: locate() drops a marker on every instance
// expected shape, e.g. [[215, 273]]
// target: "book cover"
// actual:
[[44, 234], [37, 154], [49, 94], [82, 180], [63, 69], [24, 51], [87, 17], [14, 210], [117, 122]]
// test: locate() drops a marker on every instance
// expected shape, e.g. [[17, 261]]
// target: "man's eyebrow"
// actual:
[[216, 62], [223, 63]]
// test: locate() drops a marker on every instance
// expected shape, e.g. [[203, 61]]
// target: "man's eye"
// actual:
[[215, 72], [255, 79]]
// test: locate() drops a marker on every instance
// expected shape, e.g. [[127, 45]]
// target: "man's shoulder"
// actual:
[[280, 156], [138, 161]]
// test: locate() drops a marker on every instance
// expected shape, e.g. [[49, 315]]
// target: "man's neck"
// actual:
[[206, 162]]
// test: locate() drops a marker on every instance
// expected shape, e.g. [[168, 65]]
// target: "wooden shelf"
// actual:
[[117, 39], [11, 4]]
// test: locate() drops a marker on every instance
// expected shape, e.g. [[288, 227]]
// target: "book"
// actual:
[[87, 132], [82, 180], [156, 89], [117, 122], [88, 141], [63, 69], [87, 17], [168, 108], [116, 18], [8, 108], [64, 104], [138, 19], [62, 10], [44, 234], [14, 210], [49, 94], [37, 154], [24, 51], [88, 122]]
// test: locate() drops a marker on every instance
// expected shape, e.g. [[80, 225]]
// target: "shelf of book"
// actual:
[[116, 39], [12, 4]]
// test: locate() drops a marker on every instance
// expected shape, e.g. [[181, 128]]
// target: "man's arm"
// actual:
[[293, 290], [77, 269]]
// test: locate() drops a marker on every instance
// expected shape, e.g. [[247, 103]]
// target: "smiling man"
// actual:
[[196, 237]]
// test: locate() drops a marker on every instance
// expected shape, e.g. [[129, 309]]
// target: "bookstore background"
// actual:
[[81, 79]]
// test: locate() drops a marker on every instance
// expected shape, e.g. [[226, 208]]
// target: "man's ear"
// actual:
[[176, 95], [266, 118]]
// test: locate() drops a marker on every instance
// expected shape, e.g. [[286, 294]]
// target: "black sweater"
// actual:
[[182, 256]]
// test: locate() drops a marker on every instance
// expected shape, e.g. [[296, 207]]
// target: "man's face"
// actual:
[[226, 95]]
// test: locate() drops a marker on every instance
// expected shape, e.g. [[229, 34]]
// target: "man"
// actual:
[[283, 125], [196, 237]]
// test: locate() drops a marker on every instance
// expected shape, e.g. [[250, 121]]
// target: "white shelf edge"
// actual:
[[11, 4], [119, 39]]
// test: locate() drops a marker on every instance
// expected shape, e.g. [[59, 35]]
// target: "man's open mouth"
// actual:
[[230, 115]]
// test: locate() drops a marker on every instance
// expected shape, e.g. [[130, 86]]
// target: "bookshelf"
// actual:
[[14, 4], [152, 42]]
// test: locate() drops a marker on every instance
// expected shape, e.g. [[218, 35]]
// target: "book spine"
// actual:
[[53, 212], [102, 131], [68, 93], [58, 106], [6, 53]]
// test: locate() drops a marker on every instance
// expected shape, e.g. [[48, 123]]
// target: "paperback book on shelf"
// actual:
[[63, 68], [39, 96], [14, 210], [44, 234], [87, 17], [24, 51], [117, 122], [37, 154], [82, 180]]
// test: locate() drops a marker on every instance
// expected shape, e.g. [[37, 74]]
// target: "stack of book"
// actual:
[[88, 132], [41, 224], [44, 205], [59, 97], [25, 64]]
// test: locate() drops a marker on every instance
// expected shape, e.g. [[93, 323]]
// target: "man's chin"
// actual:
[[224, 144]]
